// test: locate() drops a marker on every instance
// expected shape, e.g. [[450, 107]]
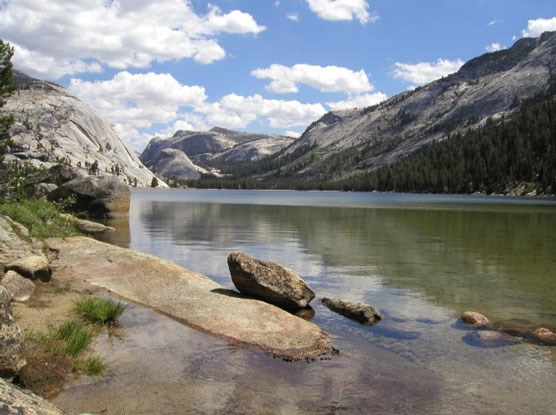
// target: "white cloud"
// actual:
[[292, 134], [135, 102], [294, 17], [138, 102], [493, 47], [342, 10], [359, 101], [493, 22], [237, 111], [536, 27], [234, 22], [425, 72], [324, 78], [57, 37]]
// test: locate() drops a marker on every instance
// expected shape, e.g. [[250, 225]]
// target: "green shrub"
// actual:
[[99, 310], [40, 217]]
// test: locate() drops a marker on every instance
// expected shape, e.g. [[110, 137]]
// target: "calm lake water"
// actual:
[[420, 259]]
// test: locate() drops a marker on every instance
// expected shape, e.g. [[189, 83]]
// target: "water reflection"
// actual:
[[501, 263]]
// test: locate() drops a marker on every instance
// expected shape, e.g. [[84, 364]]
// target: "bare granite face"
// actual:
[[182, 154], [485, 89], [189, 297], [50, 124]]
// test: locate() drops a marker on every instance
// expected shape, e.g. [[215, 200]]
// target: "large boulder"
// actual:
[[34, 267], [362, 313], [11, 338], [20, 288], [19, 401], [98, 196], [269, 282]]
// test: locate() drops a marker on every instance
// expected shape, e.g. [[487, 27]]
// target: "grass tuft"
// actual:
[[91, 365], [40, 217], [76, 335], [99, 310]]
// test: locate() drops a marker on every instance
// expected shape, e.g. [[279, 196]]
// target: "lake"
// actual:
[[420, 259]]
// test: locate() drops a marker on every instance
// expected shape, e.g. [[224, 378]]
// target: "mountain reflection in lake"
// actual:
[[421, 260]]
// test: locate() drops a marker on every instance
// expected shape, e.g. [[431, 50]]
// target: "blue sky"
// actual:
[[258, 65]]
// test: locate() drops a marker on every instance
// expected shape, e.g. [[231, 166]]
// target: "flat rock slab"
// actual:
[[189, 297]]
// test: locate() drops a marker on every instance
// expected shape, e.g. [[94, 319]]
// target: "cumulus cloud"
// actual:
[[135, 103], [61, 37], [324, 78], [359, 101], [342, 10], [138, 101], [237, 111], [425, 72], [493, 47], [537, 26]]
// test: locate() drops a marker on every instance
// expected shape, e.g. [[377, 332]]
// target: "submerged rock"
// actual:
[[98, 196], [490, 338], [362, 313], [11, 339], [87, 226], [268, 281], [474, 318], [20, 288], [33, 267], [543, 336], [517, 328]]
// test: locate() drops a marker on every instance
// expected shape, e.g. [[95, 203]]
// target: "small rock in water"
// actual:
[[490, 338], [474, 318], [362, 313], [269, 282], [543, 336]]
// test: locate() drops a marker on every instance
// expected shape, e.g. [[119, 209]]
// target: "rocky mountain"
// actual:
[[209, 149], [50, 126], [486, 89], [170, 162]]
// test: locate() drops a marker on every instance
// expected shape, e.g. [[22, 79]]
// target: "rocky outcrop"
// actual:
[[98, 196], [209, 148], [11, 338], [34, 267], [19, 401], [474, 318], [19, 288], [485, 89], [362, 313], [268, 281], [12, 246], [188, 297], [52, 126]]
